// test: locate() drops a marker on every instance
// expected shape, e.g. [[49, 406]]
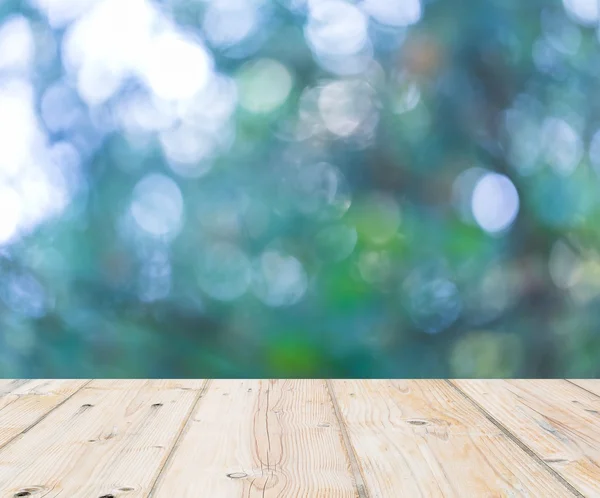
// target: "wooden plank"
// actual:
[[24, 402], [257, 438], [424, 439], [557, 420], [7, 388], [110, 438], [7, 385], [591, 385]]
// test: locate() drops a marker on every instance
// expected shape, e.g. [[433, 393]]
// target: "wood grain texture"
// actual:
[[591, 385], [559, 421], [424, 439], [110, 438], [24, 402], [258, 438], [7, 385], [299, 438]]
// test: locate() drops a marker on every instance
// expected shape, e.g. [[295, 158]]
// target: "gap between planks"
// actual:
[[361, 487], [355, 468], [42, 417], [184, 427], [584, 388], [515, 439], [359, 483]]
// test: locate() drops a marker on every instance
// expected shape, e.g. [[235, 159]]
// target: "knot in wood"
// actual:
[[237, 475], [417, 422]]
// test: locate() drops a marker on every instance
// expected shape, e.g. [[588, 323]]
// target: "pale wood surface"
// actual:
[[299, 438], [423, 438], [590, 385], [23, 403], [557, 420], [255, 438], [112, 437]]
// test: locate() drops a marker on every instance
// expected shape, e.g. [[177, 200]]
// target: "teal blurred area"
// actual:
[[299, 188]]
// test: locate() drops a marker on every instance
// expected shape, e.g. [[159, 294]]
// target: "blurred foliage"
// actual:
[[299, 188]]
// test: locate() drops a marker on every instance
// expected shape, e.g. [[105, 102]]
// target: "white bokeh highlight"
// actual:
[[11, 209], [495, 202], [279, 279], [175, 68], [397, 13], [157, 205], [264, 85], [17, 45], [336, 27], [585, 12]]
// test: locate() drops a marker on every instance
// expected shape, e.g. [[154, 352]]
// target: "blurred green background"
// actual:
[[299, 188]]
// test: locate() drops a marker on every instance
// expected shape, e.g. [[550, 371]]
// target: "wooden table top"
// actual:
[[299, 438]]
